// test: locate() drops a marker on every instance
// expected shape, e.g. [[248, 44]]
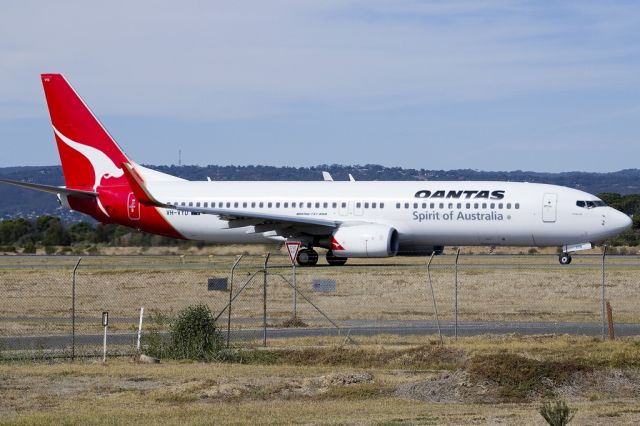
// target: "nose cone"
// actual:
[[619, 221]]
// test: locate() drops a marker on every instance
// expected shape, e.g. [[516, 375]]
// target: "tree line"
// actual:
[[50, 231]]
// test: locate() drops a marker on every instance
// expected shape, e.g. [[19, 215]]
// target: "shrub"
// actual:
[[29, 248], [193, 335], [557, 413]]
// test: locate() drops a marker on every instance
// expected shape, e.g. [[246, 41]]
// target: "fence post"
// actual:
[[456, 295], [73, 310], [233, 268], [295, 292], [433, 296], [264, 302], [603, 310], [612, 334]]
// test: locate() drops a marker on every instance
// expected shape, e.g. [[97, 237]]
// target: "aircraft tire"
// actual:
[[564, 258], [335, 260], [307, 257]]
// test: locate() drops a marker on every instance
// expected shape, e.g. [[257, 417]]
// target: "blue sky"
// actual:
[[491, 85]]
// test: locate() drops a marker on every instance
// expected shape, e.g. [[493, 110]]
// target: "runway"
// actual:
[[347, 328]]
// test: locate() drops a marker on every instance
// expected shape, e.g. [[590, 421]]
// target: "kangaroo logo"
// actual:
[[103, 166]]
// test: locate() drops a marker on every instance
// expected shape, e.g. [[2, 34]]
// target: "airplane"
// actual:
[[357, 219]]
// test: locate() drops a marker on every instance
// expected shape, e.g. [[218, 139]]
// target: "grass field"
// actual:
[[384, 380], [37, 290]]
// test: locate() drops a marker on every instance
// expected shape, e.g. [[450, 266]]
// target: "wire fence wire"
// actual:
[[48, 310]]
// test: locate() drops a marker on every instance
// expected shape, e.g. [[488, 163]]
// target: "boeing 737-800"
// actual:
[[349, 219]]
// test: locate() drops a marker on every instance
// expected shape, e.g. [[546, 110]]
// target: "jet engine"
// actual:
[[368, 240]]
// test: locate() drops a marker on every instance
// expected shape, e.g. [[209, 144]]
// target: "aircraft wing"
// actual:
[[262, 222], [55, 190]]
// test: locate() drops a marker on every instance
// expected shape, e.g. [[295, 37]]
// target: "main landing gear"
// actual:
[[335, 260], [307, 257], [564, 258]]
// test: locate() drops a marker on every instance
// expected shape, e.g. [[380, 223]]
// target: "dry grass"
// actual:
[[311, 387], [121, 285]]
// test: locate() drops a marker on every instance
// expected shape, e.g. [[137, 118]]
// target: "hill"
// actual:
[[30, 204]]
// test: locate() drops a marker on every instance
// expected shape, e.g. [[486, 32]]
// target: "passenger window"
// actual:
[[450, 205], [442, 205], [397, 205], [373, 205], [366, 205], [183, 203], [244, 205], [468, 206], [415, 205], [517, 206], [228, 204], [286, 205], [206, 204], [260, 204], [432, 206], [253, 205], [500, 205], [493, 205], [475, 205], [484, 205], [190, 203], [317, 205], [508, 206], [459, 205], [198, 204], [308, 205], [424, 205], [277, 205], [334, 205], [358, 205], [406, 205], [382, 205], [325, 205]]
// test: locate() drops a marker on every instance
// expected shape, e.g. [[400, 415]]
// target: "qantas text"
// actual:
[[493, 195]]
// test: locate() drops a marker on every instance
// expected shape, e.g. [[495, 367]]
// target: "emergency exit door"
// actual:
[[549, 207], [133, 207]]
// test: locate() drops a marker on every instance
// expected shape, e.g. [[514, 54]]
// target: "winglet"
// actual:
[[326, 176], [137, 186]]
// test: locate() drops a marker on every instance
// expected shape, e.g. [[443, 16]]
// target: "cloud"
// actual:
[[252, 58]]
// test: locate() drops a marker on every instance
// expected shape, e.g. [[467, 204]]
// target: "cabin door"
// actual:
[[549, 207]]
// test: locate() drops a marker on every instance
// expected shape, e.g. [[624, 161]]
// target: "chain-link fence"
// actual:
[[52, 306]]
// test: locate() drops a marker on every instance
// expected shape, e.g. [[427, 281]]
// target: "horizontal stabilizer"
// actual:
[[52, 189]]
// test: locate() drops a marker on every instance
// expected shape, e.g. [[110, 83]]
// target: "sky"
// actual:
[[488, 85]]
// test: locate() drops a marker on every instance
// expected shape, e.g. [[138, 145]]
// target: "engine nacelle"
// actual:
[[369, 240]]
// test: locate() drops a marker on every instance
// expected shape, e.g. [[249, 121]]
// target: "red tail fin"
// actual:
[[89, 155]]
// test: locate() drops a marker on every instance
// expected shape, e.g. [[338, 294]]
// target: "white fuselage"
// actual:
[[452, 213]]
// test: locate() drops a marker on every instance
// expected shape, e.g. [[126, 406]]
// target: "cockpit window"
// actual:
[[589, 204]]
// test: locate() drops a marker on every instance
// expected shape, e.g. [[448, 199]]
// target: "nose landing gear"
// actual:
[[564, 258]]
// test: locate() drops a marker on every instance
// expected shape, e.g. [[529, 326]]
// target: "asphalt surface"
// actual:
[[254, 263], [352, 328]]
